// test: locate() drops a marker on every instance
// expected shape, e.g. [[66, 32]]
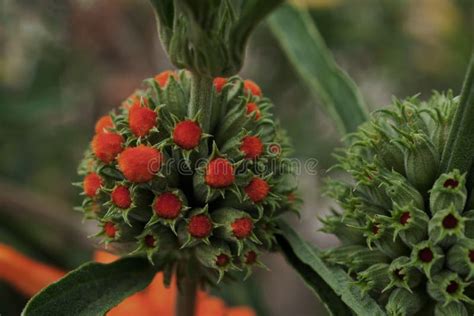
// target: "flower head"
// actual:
[[92, 183], [104, 124], [416, 217], [253, 88], [251, 146], [139, 164], [187, 134], [141, 119], [106, 146], [160, 185]]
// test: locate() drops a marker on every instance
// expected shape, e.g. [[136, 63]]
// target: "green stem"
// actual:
[[200, 101], [186, 302], [459, 150]]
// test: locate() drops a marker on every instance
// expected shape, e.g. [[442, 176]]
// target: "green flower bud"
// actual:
[[344, 228], [400, 190], [403, 274], [427, 257], [374, 278], [451, 309], [460, 258], [217, 256], [380, 235], [355, 257], [446, 226], [447, 287], [469, 224], [421, 161], [450, 188], [341, 255], [156, 240], [408, 222], [197, 228], [390, 154], [207, 37], [234, 225], [402, 302]]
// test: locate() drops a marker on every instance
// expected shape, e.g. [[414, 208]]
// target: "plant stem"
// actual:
[[459, 150], [186, 302], [200, 101]]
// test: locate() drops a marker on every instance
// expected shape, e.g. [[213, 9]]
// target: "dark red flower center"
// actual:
[[399, 274], [471, 256], [250, 257], [150, 241], [452, 287], [222, 260], [451, 183], [375, 229], [425, 255], [404, 218], [450, 222]]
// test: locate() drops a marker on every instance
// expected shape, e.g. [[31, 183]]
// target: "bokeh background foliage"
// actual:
[[65, 63]]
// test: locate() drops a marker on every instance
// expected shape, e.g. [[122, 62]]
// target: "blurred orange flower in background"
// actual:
[[29, 277]]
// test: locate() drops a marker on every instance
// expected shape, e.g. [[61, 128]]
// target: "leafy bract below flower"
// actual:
[[157, 184], [406, 231], [29, 277]]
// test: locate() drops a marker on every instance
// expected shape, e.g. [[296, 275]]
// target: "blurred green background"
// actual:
[[65, 63]]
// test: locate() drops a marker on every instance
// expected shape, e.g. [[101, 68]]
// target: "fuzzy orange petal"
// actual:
[[140, 303], [210, 306], [137, 304], [26, 275], [104, 257], [240, 311], [161, 299]]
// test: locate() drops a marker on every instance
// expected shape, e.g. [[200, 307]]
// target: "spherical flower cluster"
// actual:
[[407, 230], [161, 186]]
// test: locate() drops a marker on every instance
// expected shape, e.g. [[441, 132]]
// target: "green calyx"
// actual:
[[200, 197], [208, 37], [402, 215]]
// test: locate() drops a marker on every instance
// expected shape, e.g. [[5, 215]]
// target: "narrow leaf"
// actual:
[[93, 288], [252, 12], [459, 150], [331, 284], [306, 50]]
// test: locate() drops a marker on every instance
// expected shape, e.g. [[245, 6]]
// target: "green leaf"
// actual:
[[331, 284], [252, 12], [459, 150], [306, 50], [93, 288]]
